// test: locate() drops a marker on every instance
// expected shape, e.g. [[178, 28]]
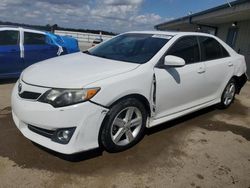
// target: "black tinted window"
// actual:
[[211, 49], [9, 37], [34, 38], [186, 48], [232, 36], [224, 52], [135, 48]]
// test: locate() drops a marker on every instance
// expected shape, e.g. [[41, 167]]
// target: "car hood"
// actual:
[[74, 71]]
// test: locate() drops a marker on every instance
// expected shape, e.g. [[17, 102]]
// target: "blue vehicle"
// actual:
[[21, 47]]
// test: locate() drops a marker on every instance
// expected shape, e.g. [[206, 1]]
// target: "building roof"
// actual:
[[231, 6]]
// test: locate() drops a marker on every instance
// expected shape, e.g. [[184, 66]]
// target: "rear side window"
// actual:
[[186, 48], [34, 38], [9, 37], [211, 49]]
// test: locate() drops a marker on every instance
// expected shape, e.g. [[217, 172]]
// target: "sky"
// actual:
[[109, 15]]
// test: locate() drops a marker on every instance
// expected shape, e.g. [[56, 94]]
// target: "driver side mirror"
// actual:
[[175, 61]]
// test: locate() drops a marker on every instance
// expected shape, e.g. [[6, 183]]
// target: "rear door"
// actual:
[[180, 88], [219, 66], [37, 48], [11, 64]]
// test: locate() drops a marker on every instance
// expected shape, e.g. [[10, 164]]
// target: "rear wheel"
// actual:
[[124, 126], [228, 94]]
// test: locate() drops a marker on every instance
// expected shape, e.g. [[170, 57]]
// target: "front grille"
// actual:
[[43, 132], [29, 95]]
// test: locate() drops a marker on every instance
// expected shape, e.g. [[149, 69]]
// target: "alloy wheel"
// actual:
[[229, 94], [126, 126]]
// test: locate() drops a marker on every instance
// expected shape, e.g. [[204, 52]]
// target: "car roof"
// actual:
[[19, 27], [171, 33], [9, 26]]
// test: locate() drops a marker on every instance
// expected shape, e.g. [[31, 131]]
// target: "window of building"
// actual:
[[186, 48], [9, 37], [232, 36], [34, 38]]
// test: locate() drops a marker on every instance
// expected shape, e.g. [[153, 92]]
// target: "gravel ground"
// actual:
[[209, 148]]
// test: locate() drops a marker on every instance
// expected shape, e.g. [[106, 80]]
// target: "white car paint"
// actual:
[[197, 86], [86, 69]]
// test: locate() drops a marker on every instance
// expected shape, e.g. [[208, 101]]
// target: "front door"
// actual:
[[180, 88], [11, 64], [37, 48]]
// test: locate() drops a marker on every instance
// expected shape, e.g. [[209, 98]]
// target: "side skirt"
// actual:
[[154, 122]]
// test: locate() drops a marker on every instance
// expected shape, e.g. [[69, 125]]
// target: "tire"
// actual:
[[124, 125], [228, 94]]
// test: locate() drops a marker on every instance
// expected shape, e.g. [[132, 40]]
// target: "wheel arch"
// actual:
[[240, 82], [139, 97]]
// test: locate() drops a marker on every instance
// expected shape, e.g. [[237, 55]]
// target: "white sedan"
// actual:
[[109, 95]]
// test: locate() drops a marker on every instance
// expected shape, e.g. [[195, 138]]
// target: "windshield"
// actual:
[[134, 48]]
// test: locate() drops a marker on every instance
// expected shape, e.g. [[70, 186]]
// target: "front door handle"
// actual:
[[201, 70]]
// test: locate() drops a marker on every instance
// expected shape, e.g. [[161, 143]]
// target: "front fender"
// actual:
[[137, 81]]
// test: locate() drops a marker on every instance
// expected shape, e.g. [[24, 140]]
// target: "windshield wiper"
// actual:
[[87, 52], [102, 56]]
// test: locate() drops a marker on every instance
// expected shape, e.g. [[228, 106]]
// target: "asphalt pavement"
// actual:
[[209, 148]]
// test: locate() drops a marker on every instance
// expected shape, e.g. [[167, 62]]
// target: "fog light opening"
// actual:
[[63, 136]]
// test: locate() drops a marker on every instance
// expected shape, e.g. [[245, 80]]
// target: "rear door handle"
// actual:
[[230, 64]]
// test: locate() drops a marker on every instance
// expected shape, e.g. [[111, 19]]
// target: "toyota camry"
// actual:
[[109, 95]]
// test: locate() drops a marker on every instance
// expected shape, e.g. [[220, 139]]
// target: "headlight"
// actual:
[[66, 97]]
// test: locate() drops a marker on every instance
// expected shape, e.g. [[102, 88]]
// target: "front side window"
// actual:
[[9, 37], [211, 49], [34, 38], [186, 48], [134, 48]]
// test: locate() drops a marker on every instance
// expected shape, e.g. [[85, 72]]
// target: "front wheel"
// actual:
[[228, 94], [124, 125]]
